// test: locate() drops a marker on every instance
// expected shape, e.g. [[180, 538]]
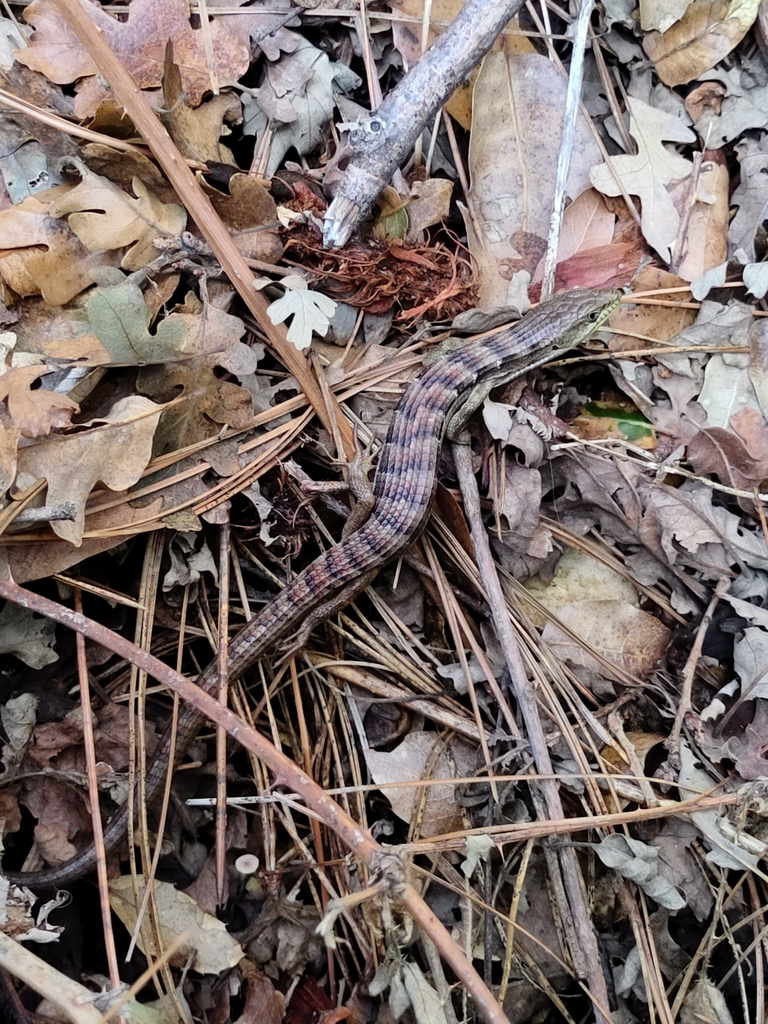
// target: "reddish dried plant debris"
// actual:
[[376, 275]]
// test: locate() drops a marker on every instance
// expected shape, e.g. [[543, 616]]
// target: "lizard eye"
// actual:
[[593, 316]]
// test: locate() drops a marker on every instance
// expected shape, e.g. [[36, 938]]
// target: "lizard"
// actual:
[[438, 403]]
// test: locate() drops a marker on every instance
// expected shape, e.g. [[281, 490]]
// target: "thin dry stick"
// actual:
[[426, 16], [221, 736], [15, 507], [73, 998], [463, 179], [572, 99], [93, 789], [317, 832], [286, 773], [450, 608], [760, 932], [169, 774], [199, 205], [673, 743], [8, 99], [138, 722], [645, 946], [205, 32], [568, 864], [595, 134], [147, 975]]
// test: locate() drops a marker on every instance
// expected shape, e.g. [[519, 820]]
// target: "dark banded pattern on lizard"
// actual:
[[438, 402]]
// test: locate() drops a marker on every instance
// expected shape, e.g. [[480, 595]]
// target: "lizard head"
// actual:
[[576, 314]]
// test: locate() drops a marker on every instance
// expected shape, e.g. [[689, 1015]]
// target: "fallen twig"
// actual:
[[381, 142]]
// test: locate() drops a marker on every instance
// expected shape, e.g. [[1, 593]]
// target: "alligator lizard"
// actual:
[[438, 403]]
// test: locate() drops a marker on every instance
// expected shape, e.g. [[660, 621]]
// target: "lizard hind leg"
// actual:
[[357, 483]]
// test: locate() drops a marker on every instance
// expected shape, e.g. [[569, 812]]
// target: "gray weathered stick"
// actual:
[[382, 141]]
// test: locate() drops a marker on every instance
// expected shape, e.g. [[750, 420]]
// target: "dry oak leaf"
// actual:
[[248, 211], [122, 168], [139, 44], [647, 172], [115, 452], [209, 401], [198, 131], [58, 271], [104, 217], [706, 33], [268, 32], [37, 412]]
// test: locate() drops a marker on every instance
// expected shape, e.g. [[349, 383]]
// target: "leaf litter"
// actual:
[[140, 410]]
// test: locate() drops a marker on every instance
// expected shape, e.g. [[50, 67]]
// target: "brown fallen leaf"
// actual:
[[517, 118], [43, 255], [578, 577], [209, 400], [263, 1002], [588, 223], [738, 457], [706, 33], [73, 463], [139, 42], [34, 412], [197, 131], [641, 322], [706, 237], [122, 168], [250, 213], [707, 97], [606, 266], [61, 814], [10, 812], [621, 632]]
